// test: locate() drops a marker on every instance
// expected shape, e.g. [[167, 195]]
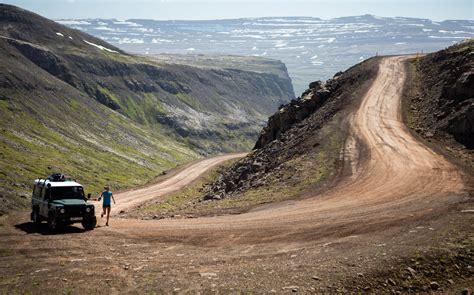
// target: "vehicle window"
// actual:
[[35, 191], [70, 192]]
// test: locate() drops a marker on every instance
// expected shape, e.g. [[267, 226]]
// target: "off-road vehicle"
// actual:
[[61, 201]]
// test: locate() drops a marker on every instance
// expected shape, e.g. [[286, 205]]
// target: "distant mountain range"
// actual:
[[311, 48]]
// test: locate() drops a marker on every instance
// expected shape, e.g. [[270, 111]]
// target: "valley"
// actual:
[[381, 227], [224, 182], [73, 103]]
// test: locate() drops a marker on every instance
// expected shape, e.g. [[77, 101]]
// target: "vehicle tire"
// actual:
[[35, 217], [89, 224], [53, 224]]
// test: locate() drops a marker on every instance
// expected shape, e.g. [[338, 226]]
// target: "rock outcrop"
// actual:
[[442, 95], [294, 112]]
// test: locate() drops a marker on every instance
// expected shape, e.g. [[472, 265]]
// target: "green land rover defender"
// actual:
[[61, 201]]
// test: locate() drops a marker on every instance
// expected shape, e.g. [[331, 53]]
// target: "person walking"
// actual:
[[106, 204]]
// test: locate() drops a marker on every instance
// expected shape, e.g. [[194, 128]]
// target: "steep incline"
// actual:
[[392, 177]]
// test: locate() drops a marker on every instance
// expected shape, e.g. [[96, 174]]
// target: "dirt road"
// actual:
[[397, 176], [397, 198], [131, 198]]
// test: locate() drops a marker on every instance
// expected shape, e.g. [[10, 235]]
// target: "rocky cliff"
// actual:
[[440, 99]]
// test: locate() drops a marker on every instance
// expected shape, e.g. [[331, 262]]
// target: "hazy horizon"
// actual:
[[437, 10]]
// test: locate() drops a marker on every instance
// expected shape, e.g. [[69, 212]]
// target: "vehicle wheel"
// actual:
[[35, 217], [89, 224], [52, 223]]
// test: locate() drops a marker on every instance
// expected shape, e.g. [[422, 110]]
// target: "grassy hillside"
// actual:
[[214, 108], [48, 126], [72, 103]]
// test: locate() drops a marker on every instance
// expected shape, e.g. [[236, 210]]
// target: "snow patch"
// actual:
[[126, 23], [104, 28], [100, 46], [59, 34], [159, 40], [291, 48], [73, 22], [131, 41]]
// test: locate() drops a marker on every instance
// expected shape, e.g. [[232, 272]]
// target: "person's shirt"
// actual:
[[107, 196]]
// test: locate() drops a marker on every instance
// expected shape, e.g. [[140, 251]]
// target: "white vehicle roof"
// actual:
[[45, 182]]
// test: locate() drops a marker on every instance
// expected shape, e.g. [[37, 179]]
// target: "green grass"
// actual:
[[96, 149], [190, 101]]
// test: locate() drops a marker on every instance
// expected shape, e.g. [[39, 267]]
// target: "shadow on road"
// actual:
[[31, 228]]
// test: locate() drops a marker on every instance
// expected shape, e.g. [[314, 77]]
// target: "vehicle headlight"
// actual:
[[88, 209], [62, 211]]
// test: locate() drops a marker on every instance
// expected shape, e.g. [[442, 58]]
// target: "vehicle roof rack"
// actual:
[[59, 177]]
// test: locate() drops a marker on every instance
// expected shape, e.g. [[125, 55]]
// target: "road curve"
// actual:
[[131, 198], [395, 178]]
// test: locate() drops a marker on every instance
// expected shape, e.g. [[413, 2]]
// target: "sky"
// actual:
[[437, 10]]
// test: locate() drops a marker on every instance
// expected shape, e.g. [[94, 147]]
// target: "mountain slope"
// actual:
[[198, 103], [48, 126], [71, 102], [440, 100]]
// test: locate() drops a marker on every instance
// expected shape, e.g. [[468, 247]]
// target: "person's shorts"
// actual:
[[106, 206]]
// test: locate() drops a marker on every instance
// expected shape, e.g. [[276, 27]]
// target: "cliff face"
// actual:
[[71, 102], [296, 111], [440, 98]]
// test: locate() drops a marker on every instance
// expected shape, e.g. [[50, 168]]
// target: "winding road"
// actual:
[[395, 199], [394, 177]]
